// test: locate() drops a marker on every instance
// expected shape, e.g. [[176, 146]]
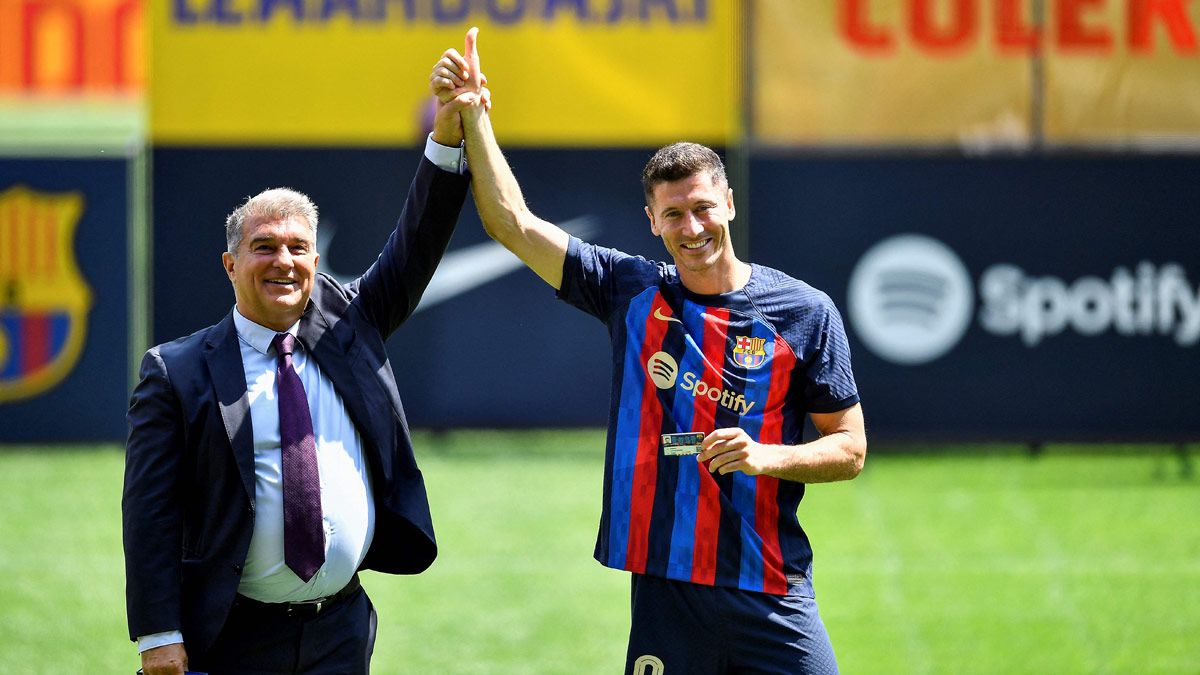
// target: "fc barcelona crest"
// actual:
[[44, 299], [749, 352]]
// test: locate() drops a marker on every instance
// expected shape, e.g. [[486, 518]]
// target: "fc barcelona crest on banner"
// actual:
[[44, 299], [749, 352]]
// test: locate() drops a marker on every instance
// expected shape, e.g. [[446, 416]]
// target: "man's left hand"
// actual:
[[732, 449], [457, 83]]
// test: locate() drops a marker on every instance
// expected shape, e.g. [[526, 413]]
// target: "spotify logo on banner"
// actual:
[[910, 299]]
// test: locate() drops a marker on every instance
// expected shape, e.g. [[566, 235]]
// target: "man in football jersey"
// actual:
[[709, 348]]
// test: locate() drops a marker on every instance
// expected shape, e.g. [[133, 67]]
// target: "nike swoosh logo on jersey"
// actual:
[[663, 317], [461, 270]]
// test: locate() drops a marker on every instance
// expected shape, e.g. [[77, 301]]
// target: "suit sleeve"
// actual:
[[389, 291], [151, 503]]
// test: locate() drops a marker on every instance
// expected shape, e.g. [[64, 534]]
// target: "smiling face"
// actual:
[[272, 270], [692, 216]]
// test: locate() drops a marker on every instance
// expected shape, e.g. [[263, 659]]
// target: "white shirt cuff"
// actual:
[[170, 637], [445, 157]]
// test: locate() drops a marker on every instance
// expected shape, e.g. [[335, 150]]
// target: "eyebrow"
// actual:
[[699, 202], [272, 238]]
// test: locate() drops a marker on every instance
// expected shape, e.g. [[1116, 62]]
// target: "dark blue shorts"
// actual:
[[679, 628]]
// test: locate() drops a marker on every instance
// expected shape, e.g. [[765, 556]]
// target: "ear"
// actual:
[[316, 258], [729, 203], [227, 259], [653, 225]]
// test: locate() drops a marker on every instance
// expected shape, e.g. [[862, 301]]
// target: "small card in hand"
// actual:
[[687, 443]]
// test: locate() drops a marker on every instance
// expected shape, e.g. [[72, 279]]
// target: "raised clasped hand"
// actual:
[[456, 78]]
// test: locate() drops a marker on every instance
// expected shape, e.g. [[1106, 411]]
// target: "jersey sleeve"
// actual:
[[597, 279], [823, 380]]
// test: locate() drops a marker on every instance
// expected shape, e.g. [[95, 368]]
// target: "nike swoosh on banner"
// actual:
[[663, 317], [463, 269]]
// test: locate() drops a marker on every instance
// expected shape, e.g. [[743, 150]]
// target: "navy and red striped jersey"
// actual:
[[760, 358]]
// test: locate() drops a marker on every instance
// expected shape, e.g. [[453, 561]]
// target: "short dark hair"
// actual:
[[678, 161]]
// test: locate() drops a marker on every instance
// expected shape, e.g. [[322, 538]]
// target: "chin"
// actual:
[[702, 266]]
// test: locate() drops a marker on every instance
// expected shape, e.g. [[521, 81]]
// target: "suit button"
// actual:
[[237, 569]]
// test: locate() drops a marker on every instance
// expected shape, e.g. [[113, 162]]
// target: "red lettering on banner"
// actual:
[[71, 46], [932, 37], [1074, 32], [1013, 33], [39, 21], [127, 45], [853, 22], [1173, 16], [942, 27]]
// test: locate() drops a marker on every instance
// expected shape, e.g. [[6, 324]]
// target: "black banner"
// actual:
[[1001, 299], [1051, 298]]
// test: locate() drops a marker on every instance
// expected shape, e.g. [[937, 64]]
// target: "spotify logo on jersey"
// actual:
[[663, 370], [910, 299]]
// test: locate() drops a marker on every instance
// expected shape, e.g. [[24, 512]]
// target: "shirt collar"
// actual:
[[256, 335]]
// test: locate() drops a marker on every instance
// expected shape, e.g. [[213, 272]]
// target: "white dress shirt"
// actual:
[[347, 508], [346, 503]]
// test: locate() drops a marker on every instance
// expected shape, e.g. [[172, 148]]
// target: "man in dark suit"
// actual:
[[268, 456]]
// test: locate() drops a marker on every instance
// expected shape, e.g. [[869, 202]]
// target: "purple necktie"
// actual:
[[303, 534]]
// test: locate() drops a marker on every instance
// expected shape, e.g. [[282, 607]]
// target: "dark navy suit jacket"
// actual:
[[188, 502]]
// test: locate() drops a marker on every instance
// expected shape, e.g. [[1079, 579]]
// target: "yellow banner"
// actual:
[[562, 72], [1131, 76], [939, 72]]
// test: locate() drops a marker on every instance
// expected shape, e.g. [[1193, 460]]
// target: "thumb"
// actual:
[[470, 50]]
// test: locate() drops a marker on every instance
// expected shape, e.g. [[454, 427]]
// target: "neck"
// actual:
[[717, 279]]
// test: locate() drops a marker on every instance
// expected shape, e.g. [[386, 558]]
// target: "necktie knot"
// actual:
[[284, 343]]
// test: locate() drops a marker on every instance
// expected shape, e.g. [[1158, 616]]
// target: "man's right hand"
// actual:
[[460, 87], [165, 660], [456, 75], [458, 84]]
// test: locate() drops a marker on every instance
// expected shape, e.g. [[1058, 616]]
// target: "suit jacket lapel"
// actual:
[[333, 352], [224, 358], [344, 359]]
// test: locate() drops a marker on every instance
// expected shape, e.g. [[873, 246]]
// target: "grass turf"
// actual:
[[980, 560]]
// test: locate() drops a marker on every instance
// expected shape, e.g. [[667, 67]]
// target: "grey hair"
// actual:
[[273, 204]]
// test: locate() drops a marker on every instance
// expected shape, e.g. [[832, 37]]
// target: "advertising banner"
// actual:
[[563, 72], [1018, 299], [71, 48], [1014, 299], [490, 345], [71, 75], [975, 72], [1130, 78], [64, 310]]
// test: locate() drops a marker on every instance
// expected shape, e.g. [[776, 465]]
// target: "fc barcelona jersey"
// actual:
[[760, 358]]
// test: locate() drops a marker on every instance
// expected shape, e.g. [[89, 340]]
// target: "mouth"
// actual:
[[695, 245], [285, 283]]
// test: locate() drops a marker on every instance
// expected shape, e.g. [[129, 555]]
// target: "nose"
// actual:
[[691, 225], [283, 258]]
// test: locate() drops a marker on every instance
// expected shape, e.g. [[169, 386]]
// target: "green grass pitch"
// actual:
[[974, 560]]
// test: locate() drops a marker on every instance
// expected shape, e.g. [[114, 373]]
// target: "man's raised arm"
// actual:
[[541, 245]]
